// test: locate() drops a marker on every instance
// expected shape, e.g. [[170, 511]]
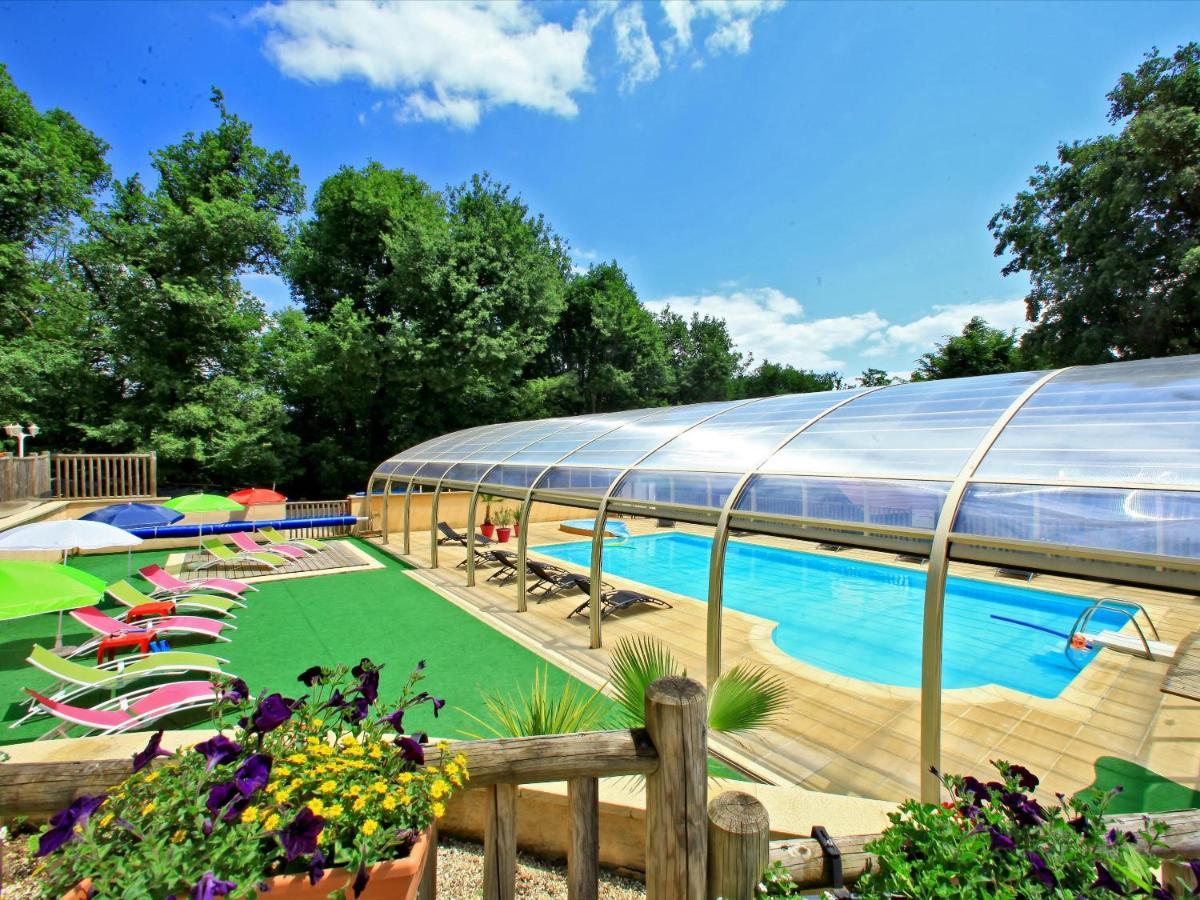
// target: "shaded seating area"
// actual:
[[220, 554], [614, 601], [551, 579]]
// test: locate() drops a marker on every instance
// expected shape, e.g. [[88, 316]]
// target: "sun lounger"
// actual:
[[125, 593], [450, 536], [129, 711], [550, 579], [912, 558], [830, 547], [104, 625], [247, 545], [165, 583], [74, 679], [310, 544], [221, 554], [615, 601], [507, 561], [1023, 574]]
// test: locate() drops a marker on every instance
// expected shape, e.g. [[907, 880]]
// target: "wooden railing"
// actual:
[[24, 477], [315, 509], [94, 476]]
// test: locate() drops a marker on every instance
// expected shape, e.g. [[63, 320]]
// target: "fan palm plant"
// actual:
[[542, 710]]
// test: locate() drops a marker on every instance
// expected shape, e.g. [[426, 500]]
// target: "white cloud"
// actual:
[[449, 61], [732, 23], [634, 47], [772, 325]]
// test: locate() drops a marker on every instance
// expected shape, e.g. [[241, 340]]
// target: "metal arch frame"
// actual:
[[527, 504], [716, 562], [602, 516], [935, 596]]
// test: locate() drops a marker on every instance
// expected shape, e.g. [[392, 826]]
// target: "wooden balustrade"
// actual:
[[96, 476], [24, 477]]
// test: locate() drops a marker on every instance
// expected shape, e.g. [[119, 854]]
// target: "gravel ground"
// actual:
[[460, 875]]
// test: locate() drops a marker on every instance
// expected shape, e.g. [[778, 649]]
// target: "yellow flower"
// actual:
[[349, 740], [271, 822], [298, 759], [274, 786], [404, 777], [296, 782], [458, 782], [443, 745], [328, 787], [283, 796], [317, 805], [379, 787], [249, 814], [317, 723], [451, 768], [354, 751], [375, 753], [389, 803], [405, 799], [432, 770], [461, 759], [359, 804], [179, 836], [153, 776], [108, 817], [312, 741], [439, 789], [355, 790], [439, 809], [148, 808], [333, 811], [369, 827], [283, 771]]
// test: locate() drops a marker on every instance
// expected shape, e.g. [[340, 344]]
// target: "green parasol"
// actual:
[[32, 588], [198, 503]]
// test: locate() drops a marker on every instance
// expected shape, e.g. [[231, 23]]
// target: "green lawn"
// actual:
[[291, 625]]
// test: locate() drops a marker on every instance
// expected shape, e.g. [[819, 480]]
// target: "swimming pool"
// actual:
[[860, 619]]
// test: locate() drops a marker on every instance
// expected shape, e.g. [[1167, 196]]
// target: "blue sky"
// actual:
[[821, 175]]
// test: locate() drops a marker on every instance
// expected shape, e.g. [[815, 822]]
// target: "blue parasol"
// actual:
[[134, 515]]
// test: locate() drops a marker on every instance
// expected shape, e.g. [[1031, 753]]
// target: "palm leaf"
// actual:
[[542, 710], [636, 662], [745, 698]]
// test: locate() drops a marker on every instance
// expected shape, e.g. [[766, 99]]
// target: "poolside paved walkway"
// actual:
[[848, 736]]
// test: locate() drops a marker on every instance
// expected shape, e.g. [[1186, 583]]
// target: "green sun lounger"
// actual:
[[276, 537], [74, 679], [125, 593], [220, 553]]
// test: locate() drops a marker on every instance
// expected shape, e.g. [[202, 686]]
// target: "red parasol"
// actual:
[[252, 496]]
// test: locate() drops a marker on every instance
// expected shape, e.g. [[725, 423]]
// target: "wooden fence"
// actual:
[[95, 476], [315, 509], [24, 477], [694, 850]]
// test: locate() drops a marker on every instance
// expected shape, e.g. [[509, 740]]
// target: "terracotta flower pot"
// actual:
[[487, 529], [516, 529], [397, 879], [503, 533]]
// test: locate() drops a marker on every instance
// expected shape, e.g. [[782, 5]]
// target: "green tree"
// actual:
[[979, 350], [180, 336], [771, 379], [703, 362], [875, 378], [1110, 236], [605, 352]]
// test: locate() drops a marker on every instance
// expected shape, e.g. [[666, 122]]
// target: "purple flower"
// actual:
[[310, 676], [420, 665], [356, 710], [253, 774], [1105, 880], [1000, 840], [411, 750], [1041, 871], [368, 685], [1194, 865], [299, 836], [976, 788], [364, 665], [1025, 810], [236, 691], [360, 879], [207, 827], [405, 840], [437, 704], [396, 721], [1024, 777], [218, 749], [151, 750], [1113, 837], [226, 796], [210, 886], [316, 867], [64, 822], [1080, 824], [272, 712], [336, 701]]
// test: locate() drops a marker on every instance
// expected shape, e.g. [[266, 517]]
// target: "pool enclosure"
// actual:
[[1089, 471]]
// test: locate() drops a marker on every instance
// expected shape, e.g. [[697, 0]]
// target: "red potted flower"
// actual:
[[488, 528], [504, 520]]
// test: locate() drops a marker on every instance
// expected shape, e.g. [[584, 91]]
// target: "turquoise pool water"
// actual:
[[863, 620]]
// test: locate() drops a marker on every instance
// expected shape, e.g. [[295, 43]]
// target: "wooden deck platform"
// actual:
[[337, 555]]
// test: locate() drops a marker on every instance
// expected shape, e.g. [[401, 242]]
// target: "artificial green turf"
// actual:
[[291, 625], [1141, 789]]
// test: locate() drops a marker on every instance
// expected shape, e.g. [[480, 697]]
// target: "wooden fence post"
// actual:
[[739, 832], [500, 844], [677, 791], [583, 855]]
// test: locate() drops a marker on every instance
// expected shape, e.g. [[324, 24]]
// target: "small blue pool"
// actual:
[[863, 620]]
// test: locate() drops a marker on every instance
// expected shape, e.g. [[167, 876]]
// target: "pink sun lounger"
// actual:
[[243, 541], [104, 625], [166, 583], [129, 711]]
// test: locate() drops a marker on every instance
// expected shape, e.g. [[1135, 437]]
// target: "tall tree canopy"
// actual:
[[704, 363], [979, 350], [1110, 236], [771, 378]]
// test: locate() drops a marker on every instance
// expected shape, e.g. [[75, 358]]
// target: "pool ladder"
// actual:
[[1127, 608]]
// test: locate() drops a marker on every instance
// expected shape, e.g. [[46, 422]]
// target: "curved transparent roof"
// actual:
[[1104, 457]]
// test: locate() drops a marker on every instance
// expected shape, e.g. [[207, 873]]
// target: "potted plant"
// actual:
[[312, 797], [488, 528], [503, 525], [516, 522]]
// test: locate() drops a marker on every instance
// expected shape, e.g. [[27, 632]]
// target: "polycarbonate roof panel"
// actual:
[[925, 429], [740, 438], [706, 489], [1123, 423], [627, 444], [901, 504], [579, 432]]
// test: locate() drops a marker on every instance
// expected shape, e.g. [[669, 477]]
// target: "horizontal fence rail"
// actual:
[[102, 476], [318, 509], [24, 477]]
